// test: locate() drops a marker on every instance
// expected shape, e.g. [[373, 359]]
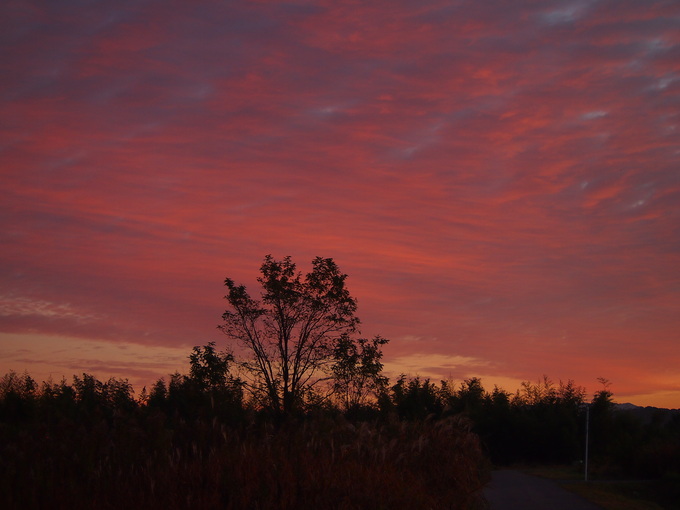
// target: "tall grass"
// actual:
[[146, 461]]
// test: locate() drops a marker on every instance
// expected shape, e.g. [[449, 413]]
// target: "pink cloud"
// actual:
[[499, 183]]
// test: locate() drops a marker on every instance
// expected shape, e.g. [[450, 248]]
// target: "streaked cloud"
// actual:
[[22, 306], [499, 183], [53, 357], [435, 366]]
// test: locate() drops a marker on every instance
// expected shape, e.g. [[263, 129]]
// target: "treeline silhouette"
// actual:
[[543, 422], [195, 441]]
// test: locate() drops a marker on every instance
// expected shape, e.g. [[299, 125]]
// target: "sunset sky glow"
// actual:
[[500, 181]]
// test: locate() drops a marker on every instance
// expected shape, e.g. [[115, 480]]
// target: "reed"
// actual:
[[148, 461]]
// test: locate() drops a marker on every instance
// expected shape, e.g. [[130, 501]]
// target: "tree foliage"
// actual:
[[357, 370], [209, 369], [291, 331]]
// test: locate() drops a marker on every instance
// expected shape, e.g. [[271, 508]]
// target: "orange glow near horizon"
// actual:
[[501, 184]]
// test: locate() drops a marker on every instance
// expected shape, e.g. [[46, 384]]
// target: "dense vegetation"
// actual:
[[91, 444], [545, 423], [199, 443]]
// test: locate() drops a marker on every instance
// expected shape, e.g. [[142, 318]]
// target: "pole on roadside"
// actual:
[[585, 474]]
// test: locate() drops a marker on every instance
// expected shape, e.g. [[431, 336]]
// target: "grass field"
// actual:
[[615, 494], [630, 495]]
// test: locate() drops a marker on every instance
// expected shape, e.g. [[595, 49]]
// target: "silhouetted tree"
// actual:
[[158, 394], [58, 399], [357, 370], [96, 398], [291, 331], [542, 392], [571, 395], [416, 399], [208, 391], [471, 395], [17, 396], [602, 419], [209, 369]]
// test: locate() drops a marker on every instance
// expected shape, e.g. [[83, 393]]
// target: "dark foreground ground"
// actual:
[[513, 490]]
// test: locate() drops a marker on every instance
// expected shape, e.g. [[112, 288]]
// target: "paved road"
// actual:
[[512, 490]]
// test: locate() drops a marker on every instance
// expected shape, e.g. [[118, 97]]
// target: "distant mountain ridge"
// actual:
[[648, 414]]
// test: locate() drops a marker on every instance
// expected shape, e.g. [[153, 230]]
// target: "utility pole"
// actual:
[[587, 440]]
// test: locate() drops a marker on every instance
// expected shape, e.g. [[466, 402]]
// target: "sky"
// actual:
[[500, 181]]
